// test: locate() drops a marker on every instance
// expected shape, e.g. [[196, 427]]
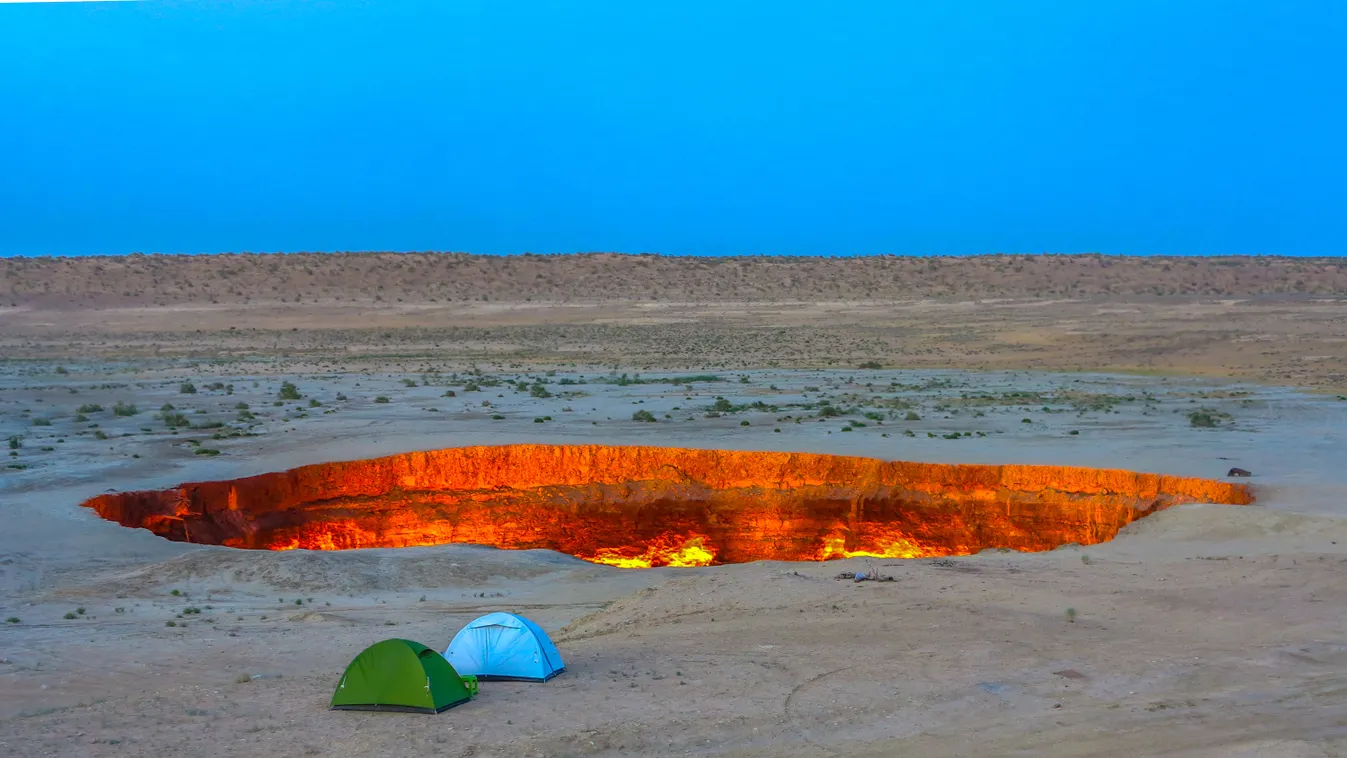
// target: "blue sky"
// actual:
[[688, 127]]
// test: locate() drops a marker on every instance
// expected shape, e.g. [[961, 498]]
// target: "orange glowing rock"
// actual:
[[639, 507]]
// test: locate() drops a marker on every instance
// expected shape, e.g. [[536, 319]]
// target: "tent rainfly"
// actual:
[[400, 675], [505, 646]]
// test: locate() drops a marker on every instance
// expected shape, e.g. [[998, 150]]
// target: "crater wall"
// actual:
[[652, 506]]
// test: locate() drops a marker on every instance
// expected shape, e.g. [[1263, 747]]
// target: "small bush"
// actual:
[[450, 393], [170, 623], [90, 408], [381, 399], [744, 423], [61, 370], [341, 396], [645, 416], [288, 392], [871, 365], [167, 407], [911, 416], [15, 442], [240, 406], [100, 435], [409, 382], [70, 616], [538, 390], [1026, 421], [12, 620], [313, 403], [186, 388], [497, 417], [125, 409], [173, 420], [538, 419], [206, 451], [1207, 418], [41, 422]]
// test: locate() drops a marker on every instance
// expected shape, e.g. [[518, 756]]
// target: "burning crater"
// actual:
[[638, 507]]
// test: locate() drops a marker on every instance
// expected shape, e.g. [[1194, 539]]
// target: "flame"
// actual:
[[641, 507], [663, 551], [888, 543]]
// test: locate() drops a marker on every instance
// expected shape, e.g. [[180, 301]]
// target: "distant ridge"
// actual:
[[138, 279]]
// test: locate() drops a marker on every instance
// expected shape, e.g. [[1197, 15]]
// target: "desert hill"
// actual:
[[605, 277]]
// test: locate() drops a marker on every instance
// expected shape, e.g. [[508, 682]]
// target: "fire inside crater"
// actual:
[[639, 507]]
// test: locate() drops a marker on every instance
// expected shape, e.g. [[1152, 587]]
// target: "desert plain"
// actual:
[[1201, 630]]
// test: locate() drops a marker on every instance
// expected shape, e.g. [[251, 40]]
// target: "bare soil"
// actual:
[[1266, 319], [1201, 632]]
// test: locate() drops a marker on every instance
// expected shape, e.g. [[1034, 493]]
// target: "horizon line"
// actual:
[[578, 253]]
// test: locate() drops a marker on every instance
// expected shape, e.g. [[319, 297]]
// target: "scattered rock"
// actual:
[[862, 576], [1238, 472]]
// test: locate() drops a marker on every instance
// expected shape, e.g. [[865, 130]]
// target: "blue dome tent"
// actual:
[[504, 646]]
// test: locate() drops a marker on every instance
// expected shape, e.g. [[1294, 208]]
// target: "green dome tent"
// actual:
[[400, 675]]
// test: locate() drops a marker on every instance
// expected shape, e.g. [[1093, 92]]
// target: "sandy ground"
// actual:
[[1275, 340], [1203, 631]]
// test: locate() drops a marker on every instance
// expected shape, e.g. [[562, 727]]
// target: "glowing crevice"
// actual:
[[640, 507]]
